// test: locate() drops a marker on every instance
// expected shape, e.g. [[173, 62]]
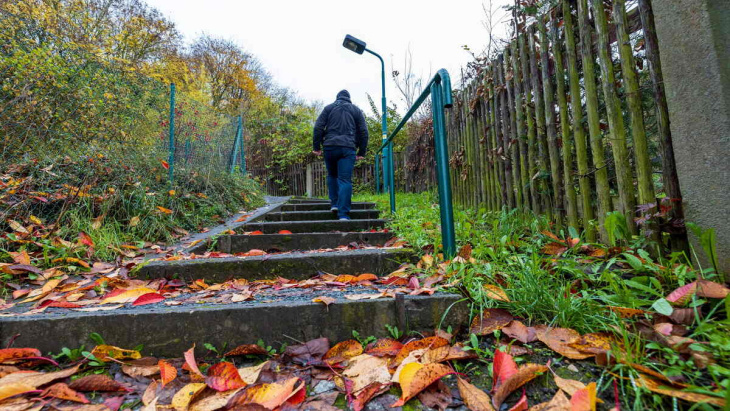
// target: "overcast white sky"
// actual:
[[300, 41]]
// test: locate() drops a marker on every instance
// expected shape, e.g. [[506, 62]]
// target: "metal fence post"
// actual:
[[377, 173], [448, 237], [171, 159], [310, 180], [243, 146]]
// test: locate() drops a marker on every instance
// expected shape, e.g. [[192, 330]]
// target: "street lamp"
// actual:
[[358, 46]]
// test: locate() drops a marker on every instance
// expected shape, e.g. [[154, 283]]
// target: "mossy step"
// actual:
[[318, 215], [301, 241]]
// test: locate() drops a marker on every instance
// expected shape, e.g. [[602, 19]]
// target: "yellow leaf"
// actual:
[[495, 292], [181, 400], [164, 210], [128, 295], [96, 223], [10, 390], [35, 220], [171, 192], [107, 352], [16, 226], [134, 221]]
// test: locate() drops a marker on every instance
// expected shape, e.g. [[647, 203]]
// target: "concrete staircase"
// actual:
[[284, 316]]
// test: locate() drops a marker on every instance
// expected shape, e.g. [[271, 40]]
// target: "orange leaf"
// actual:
[[164, 210], [345, 278], [247, 349], [85, 239], [285, 232], [272, 395], [63, 392], [666, 389], [503, 367], [223, 377], [554, 249], [257, 232], [11, 355], [167, 372], [495, 292], [12, 389], [165, 164], [428, 342], [584, 399], [343, 351], [97, 382], [559, 340], [367, 393], [474, 398], [446, 353], [593, 343], [524, 374], [492, 319], [415, 377], [127, 296], [384, 347], [366, 277], [624, 312]]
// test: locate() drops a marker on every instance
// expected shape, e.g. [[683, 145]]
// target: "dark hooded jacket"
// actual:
[[341, 124]]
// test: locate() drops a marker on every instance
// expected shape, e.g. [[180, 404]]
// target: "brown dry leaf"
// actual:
[[384, 347], [250, 375], [98, 382], [710, 289], [247, 349], [594, 343], [150, 393], [213, 402], [524, 374], [144, 367], [624, 312], [559, 403], [568, 385], [428, 343], [473, 397], [62, 391], [415, 377], [559, 340], [446, 353], [520, 332], [192, 364], [666, 389], [490, 320], [554, 248], [37, 379], [342, 351], [365, 370], [368, 393], [21, 404], [181, 400], [495, 292]]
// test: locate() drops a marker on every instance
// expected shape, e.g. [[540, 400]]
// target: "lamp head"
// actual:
[[354, 44]]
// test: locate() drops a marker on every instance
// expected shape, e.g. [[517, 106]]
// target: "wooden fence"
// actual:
[[567, 120]]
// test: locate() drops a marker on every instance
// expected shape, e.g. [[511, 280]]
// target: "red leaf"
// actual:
[[683, 294], [85, 239], [63, 392], [285, 232], [257, 232], [223, 377], [165, 164], [190, 362], [504, 367], [149, 298]]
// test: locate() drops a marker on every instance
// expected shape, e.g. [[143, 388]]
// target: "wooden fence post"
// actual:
[[310, 181]]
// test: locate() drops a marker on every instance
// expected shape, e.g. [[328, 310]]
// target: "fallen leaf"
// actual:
[[666, 389], [217, 401], [64, 392], [584, 399], [474, 398], [368, 393], [181, 400], [144, 367], [250, 375], [495, 292], [149, 298], [134, 221], [559, 402], [223, 377], [247, 349], [524, 374], [503, 368], [12, 355], [446, 353], [164, 210], [37, 379], [271, 395], [490, 320], [624, 312], [285, 232], [257, 232], [127, 296], [710, 289], [415, 377], [85, 239], [324, 300], [559, 340], [554, 248], [593, 343], [97, 382], [108, 352], [167, 372], [365, 370], [307, 353], [683, 294], [568, 385], [10, 390], [427, 343], [343, 351], [520, 332], [384, 347], [150, 393]]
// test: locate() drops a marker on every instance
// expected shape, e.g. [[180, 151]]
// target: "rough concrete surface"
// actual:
[[169, 331], [694, 43], [318, 215], [301, 241], [323, 226]]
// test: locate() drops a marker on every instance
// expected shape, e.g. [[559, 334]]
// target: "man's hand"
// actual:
[[317, 153], [358, 158]]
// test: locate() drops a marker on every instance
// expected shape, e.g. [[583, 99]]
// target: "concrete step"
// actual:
[[324, 226], [322, 206], [294, 266], [168, 331], [304, 200], [318, 215], [301, 241]]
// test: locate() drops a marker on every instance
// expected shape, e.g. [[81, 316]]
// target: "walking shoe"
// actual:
[[334, 208], [344, 218]]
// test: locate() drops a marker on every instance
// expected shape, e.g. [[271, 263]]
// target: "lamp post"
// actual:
[[358, 46]]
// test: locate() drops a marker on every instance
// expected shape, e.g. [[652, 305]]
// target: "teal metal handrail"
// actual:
[[440, 90]]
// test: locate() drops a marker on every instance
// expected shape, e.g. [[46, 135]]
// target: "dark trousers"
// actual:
[[340, 162]]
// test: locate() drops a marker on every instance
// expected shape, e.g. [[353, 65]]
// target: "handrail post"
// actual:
[[171, 148], [377, 173], [243, 146], [448, 237]]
